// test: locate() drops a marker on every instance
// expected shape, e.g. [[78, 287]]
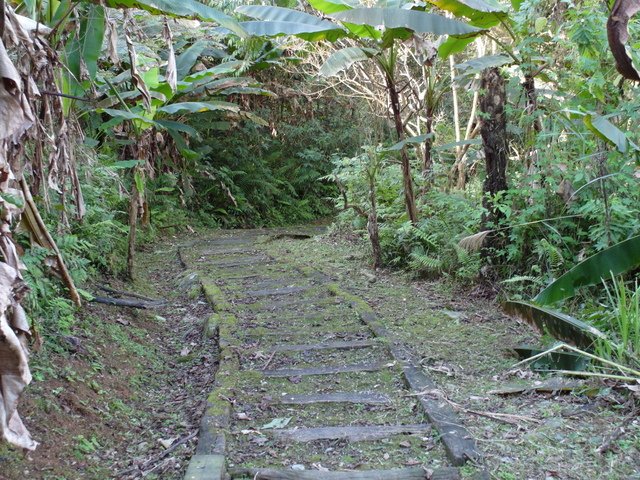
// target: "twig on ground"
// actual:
[[608, 443], [107, 289], [156, 458], [509, 418], [269, 361]]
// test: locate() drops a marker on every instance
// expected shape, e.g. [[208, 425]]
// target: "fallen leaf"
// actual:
[[277, 423], [166, 443], [242, 416]]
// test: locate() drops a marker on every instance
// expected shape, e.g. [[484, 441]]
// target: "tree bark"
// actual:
[[494, 134], [427, 163], [409, 198], [133, 223], [372, 224], [531, 108]]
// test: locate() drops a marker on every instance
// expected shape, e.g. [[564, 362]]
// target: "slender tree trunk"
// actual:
[[409, 198], [535, 127], [427, 163], [494, 134], [601, 165], [456, 107], [133, 224], [372, 224]]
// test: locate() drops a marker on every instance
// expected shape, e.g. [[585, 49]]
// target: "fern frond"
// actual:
[[474, 242]]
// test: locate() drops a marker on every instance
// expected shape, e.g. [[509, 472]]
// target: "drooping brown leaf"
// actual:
[[172, 69], [136, 78], [618, 35]]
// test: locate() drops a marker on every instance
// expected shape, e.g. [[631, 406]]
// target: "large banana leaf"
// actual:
[[172, 125], [277, 21], [455, 44], [343, 59], [608, 132], [187, 59], [615, 260], [310, 33], [213, 72], [180, 8], [86, 48], [328, 6], [477, 65], [415, 20], [481, 13], [409, 141], [198, 107], [119, 116], [560, 325]]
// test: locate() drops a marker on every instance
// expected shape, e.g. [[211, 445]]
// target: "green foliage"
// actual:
[[431, 247], [622, 320], [248, 177]]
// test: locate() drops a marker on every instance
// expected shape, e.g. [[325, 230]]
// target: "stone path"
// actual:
[[309, 387]]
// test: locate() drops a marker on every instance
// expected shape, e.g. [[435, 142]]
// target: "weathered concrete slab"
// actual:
[[206, 467], [254, 260], [302, 372], [355, 344], [352, 434], [276, 291], [338, 397], [394, 474]]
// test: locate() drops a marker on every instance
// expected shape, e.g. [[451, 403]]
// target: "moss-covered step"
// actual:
[[392, 474]]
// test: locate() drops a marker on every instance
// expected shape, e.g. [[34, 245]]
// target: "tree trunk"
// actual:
[[409, 198], [133, 223], [427, 163], [494, 139], [535, 128], [372, 224]]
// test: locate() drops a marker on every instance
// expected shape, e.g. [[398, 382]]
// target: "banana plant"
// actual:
[[375, 34], [154, 104]]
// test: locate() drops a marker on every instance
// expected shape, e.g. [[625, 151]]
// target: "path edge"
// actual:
[[209, 459]]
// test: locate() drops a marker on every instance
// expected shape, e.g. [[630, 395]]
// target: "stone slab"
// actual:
[[349, 433]]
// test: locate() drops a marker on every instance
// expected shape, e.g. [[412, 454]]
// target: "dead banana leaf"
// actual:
[[15, 119]]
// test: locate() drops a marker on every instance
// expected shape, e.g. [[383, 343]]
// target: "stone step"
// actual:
[[415, 473], [276, 291], [352, 345], [349, 433], [332, 370], [338, 397]]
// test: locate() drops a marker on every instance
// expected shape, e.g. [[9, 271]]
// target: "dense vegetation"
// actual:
[[498, 145]]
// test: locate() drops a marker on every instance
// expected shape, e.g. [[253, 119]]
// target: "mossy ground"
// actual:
[[144, 376], [138, 377], [464, 342]]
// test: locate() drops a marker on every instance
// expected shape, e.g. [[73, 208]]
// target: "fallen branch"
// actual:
[[107, 289], [125, 302], [41, 235], [509, 418]]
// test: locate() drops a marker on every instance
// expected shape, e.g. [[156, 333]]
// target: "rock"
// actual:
[[298, 467]]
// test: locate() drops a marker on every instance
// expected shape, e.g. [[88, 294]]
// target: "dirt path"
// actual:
[[310, 385], [324, 365]]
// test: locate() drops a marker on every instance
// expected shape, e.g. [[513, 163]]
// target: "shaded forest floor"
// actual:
[[123, 397]]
